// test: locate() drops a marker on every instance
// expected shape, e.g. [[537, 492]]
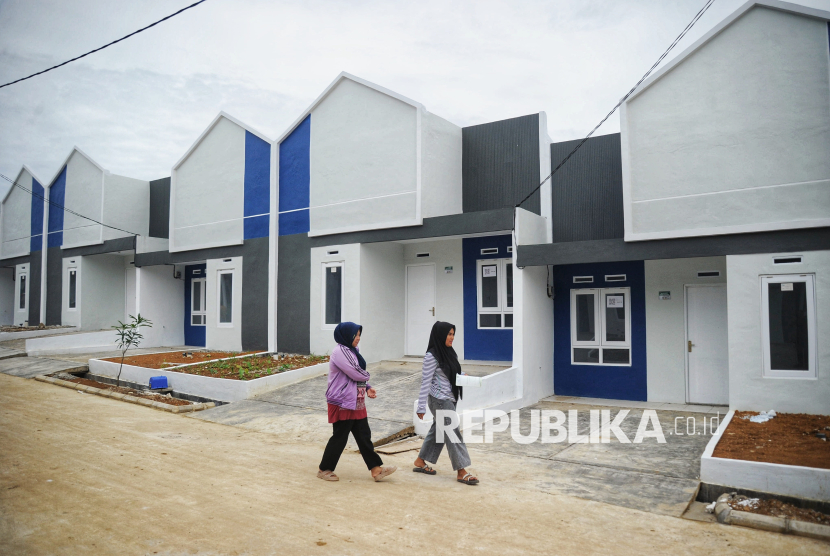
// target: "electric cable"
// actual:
[[105, 46]]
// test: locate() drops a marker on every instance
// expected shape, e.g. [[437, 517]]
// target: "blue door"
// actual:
[[195, 314]]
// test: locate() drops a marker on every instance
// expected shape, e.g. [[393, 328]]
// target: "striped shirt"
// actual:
[[433, 383]]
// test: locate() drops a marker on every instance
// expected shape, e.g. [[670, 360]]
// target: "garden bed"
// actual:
[[777, 508], [169, 400], [251, 368], [169, 359], [788, 438]]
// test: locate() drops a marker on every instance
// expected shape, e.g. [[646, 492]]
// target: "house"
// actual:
[[690, 254], [21, 251]]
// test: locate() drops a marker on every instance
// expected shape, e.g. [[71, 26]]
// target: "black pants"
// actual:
[[340, 437]]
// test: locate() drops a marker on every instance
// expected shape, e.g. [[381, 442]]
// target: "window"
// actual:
[[788, 325], [495, 293], [332, 294], [73, 288], [22, 292], [601, 326], [198, 309], [225, 297]]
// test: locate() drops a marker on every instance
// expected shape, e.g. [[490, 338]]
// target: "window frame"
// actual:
[[812, 365], [501, 286], [600, 325], [203, 312], [219, 274], [22, 277], [325, 265], [69, 271]]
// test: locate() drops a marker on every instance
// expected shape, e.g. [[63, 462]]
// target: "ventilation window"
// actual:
[[197, 271], [226, 260], [490, 251], [332, 252], [422, 254], [708, 273], [787, 260], [615, 277], [509, 248], [583, 279]]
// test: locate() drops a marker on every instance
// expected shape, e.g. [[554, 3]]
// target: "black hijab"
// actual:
[[446, 356], [344, 334]]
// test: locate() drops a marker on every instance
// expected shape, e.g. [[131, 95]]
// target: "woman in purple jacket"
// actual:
[[346, 393]]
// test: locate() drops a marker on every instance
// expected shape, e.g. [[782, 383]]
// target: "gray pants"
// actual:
[[431, 449]]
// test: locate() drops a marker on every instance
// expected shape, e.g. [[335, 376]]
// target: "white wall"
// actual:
[[6, 296], [666, 322], [222, 337], [207, 191], [126, 205], [441, 163], [321, 339], [16, 219], [102, 290], [382, 301], [84, 195], [364, 158], [748, 389], [449, 292], [21, 316], [735, 137], [161, 299], [130, 287]]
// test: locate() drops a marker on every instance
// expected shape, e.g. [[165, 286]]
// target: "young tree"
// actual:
[[129, 336]]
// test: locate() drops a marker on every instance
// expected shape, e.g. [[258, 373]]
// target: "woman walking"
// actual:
[[346, 396], [439, 391]]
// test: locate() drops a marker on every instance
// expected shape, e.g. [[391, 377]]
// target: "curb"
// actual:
[[125, 397], [729, 516]]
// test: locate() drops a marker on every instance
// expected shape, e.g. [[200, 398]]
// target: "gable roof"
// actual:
[[74, 150], [343, 76], [722, 26], [210, 127], [22, 169]]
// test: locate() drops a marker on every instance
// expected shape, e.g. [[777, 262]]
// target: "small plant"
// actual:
[[129, 336], [284, 367]]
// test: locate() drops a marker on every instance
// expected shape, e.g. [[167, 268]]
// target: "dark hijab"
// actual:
[[446, 356], [344, 334]]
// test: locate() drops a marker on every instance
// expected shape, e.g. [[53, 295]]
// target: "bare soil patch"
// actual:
[[170, 400], [777, 508], [249, 368], [788, 438], [30, 328], [172, 358]]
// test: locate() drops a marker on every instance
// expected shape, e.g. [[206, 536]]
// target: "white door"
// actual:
[[707, 345], [420, 307]]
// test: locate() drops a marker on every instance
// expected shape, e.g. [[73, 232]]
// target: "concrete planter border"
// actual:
[[124, 397], [729, 516], [24, 334], [774, 478], [223, 389]]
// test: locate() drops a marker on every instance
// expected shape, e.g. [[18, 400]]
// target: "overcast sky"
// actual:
[[136, 107]]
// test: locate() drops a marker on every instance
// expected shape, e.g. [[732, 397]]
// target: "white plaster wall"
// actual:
[[533, 332], [546, 191], [102, 289], [72, 317], [735, 138], [748, 389], [6, 296], [382, 301], [161, 299], [321, 340], [21, 316], [84, 195], [207, 191], [666, 322], [531, 229], [441, 163], [222, 337], [449, 288], [126, 205], [364, 160], [130, 287], [16, 218]]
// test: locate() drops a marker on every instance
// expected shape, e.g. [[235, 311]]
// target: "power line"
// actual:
[[105, 46], [63, 208], [624, 98]]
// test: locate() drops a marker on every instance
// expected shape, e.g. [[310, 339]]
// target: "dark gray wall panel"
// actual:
[[198, 255], [13, 262], [500, 164], [34, 292], [609, 250], [499, 220], [293, 293], [255, 294], [160, 208], [54, 285], [587, 190], [109, 246]]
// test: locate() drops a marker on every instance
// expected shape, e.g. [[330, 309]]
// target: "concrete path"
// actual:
[[30, 367], [7, 353]]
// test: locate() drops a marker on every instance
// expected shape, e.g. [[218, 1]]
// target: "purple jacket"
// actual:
[[344, 374]]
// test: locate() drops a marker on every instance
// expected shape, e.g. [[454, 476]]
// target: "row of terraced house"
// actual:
[[685, 259]]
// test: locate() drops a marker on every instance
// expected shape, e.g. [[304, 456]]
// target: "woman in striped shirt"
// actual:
[[439, 392]]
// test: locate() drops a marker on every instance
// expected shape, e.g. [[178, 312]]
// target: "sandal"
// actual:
[[426, 470], [385, 472], [468, 479], [327, 476]]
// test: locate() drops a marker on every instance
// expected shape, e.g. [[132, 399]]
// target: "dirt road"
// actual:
[[80, 474]]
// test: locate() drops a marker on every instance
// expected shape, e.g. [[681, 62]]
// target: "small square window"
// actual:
[[788, 325]]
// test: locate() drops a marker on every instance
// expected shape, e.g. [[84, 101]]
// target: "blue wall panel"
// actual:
[[36, 233], [483, 344], [193, 335], [57, 193], [257, 200], [295, 177], [596, 381]]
